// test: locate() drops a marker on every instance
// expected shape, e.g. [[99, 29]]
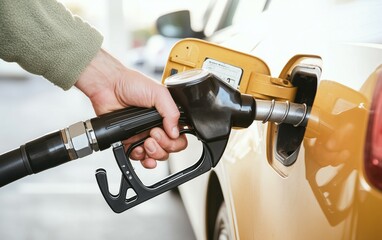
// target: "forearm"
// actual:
[[45, 39]]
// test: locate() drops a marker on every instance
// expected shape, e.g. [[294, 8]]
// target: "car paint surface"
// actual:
[[325, 194]]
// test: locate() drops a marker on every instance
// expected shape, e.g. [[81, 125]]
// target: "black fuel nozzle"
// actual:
[[212, 106], [209, 108]]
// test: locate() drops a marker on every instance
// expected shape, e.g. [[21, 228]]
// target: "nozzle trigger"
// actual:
[[211, 154]]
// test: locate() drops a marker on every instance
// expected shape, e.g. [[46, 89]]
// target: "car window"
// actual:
[[215, 17], [247, 9]]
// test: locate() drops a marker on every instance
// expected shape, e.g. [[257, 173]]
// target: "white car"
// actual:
[[277, 182]]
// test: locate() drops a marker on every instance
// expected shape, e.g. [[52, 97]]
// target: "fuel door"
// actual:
[[284, 140], [235, 68], [250, 75]]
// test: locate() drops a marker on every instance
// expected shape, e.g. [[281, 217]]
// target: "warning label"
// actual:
[[228, 73]]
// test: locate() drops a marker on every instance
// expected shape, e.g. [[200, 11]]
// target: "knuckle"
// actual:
[[183, 146], [172, 147], [137, 154], [176, 114], [165, 157]]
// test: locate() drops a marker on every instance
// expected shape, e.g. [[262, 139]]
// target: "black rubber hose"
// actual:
[[12, 167], [33, 157]]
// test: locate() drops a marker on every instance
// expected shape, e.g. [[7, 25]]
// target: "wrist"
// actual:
[[99, 74]]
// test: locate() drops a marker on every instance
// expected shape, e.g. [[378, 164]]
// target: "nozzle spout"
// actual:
[[282, 112]]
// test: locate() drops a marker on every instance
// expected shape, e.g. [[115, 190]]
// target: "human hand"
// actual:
[[111, 86]]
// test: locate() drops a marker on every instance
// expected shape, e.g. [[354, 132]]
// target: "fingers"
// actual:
[[149, 163], [167, 108], [144, 92], [166, 143], [157, 147], [154, 150], [138, 153]]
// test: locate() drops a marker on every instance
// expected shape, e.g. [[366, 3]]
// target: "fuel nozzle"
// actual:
[[209, 108], [210, 104]]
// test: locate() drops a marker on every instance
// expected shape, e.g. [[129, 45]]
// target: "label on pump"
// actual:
[[228, 73]]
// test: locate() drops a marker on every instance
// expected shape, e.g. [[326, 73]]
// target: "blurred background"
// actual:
[[65, 203]]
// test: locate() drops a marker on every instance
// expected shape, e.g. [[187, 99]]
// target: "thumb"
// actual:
[[167, 108]]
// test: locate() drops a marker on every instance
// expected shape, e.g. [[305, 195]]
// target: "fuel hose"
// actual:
[[76, 141]]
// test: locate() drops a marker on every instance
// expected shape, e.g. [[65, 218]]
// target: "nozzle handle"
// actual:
[[123, 124]]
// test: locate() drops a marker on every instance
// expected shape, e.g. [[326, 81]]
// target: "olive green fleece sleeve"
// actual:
[[44, 38]]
